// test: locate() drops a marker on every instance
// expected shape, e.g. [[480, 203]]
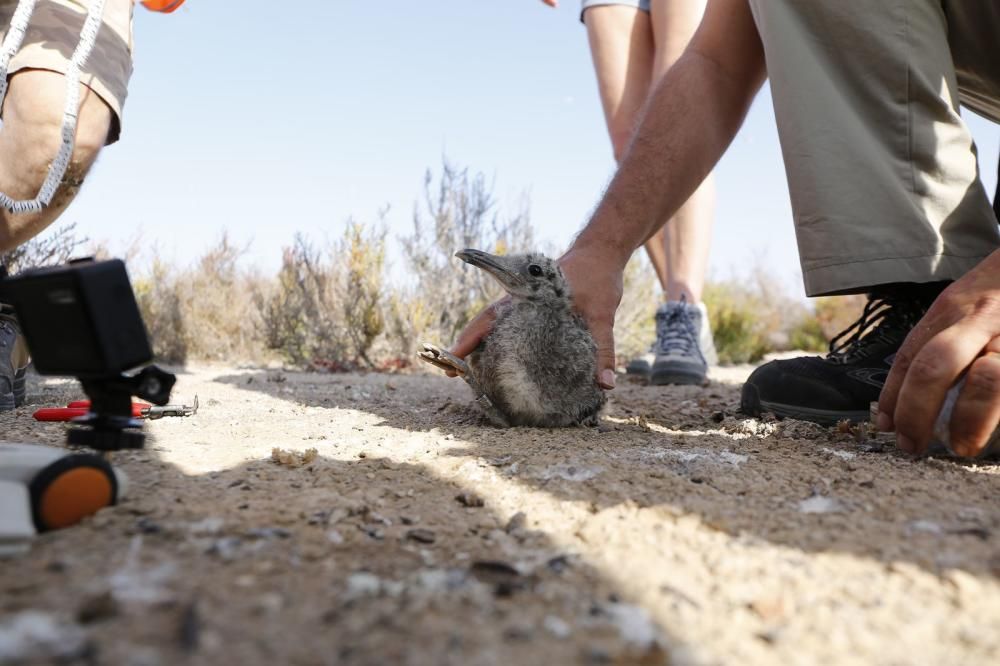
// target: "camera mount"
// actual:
[[110, 425]]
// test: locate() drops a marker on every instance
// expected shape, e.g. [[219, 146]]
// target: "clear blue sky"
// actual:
[[265, 118]]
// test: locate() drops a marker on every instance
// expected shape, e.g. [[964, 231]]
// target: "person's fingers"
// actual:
[[551, 3], [929, 375], [474, 332], [977, 409], [604, 335], [889, 397]]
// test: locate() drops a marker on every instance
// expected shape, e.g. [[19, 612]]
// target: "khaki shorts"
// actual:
[[53, 34]]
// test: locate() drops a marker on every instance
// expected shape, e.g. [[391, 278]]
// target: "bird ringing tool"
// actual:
[[71, 108], [79, 320], [140, 410]]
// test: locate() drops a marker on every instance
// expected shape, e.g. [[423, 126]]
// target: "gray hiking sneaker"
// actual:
[[684, 347], [13, 363]]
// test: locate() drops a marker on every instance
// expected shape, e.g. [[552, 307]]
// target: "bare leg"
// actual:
[[621, 44], [687, 237], [32, 116], [624, 52], [631, 49]]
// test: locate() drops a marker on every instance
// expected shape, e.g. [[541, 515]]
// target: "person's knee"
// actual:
[[34, 118], [43, 141], [32, 139]]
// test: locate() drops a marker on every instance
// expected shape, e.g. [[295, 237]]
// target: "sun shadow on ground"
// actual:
[[340, 561], [682, 449], [735, 541]]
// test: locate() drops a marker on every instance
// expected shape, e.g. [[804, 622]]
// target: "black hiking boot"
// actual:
[[13, 362], [843, 384]]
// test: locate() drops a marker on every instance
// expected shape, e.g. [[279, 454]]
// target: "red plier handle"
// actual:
[[80, 408]]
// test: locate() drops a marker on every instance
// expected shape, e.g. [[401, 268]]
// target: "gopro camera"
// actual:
[[82, 320]]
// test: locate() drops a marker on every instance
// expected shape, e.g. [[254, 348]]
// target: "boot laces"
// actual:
[[676, 330], [883, 320]]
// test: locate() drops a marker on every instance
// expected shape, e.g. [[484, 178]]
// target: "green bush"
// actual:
[[753, 315], [739, 329], [808, 335]]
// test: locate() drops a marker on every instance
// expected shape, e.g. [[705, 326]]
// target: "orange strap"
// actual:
[[164, 6]]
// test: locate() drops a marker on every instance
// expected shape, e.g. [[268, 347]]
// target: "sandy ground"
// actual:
[[677, 532]]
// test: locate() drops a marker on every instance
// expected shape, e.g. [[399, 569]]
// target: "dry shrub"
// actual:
[[807, 334], [53, 247], [328, 308], [300, 311], [219, 304], [159, 300], [635, 321], [333, 308], [362, 252], [829, 316], [409, 315], [206, 311], [459, 213]]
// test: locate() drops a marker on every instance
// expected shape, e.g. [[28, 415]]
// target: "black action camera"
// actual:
[[82, 320]]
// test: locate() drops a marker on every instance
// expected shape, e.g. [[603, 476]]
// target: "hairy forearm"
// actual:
[[690, 120]]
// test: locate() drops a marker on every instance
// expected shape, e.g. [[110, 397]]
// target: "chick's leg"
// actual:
[[445, 360]]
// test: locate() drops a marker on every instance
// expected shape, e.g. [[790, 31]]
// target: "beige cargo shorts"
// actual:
[[53, 34]]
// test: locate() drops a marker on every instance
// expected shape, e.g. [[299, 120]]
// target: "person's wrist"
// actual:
[[609, 250]]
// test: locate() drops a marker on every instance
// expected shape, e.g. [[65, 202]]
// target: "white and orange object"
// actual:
[[45, 488]]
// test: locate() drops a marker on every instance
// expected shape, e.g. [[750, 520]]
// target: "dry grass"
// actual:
[[57, 246], [204, 311], [326, 308], [635, 321], [459, 212]]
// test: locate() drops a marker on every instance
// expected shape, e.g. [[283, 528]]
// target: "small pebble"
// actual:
[[421, 535], [470, 499], [147, 526], [99, 607], [516, 522], [556, 626]]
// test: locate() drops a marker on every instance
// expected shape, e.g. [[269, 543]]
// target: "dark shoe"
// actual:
[[641, 365], [13, 363], [843, 384]]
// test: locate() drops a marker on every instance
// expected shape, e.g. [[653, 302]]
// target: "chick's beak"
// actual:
[[501, 268]]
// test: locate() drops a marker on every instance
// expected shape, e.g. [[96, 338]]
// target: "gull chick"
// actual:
[[537, 367]]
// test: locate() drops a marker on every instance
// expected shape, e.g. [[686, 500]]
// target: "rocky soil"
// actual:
[[394, 527]]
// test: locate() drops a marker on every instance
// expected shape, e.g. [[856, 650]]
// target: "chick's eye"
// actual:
[[535, 270]]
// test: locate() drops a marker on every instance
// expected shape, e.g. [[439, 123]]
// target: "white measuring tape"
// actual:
[[11, 45]]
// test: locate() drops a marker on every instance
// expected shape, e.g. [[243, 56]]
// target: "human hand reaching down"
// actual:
[[959, 335]]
